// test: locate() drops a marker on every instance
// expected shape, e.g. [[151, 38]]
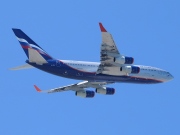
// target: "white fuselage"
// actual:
[[146, 72]]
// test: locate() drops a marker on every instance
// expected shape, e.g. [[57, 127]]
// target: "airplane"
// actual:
[[112, 68]]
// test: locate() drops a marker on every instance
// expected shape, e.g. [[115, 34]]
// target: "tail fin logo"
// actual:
[[26, 45]]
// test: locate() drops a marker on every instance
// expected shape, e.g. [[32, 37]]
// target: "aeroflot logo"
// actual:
[[31, 45]]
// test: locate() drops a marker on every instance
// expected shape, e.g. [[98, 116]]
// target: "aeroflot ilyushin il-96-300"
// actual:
[[113, 67]]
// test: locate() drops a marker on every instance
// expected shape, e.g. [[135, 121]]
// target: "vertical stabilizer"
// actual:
[[31, 49], [35, 57]]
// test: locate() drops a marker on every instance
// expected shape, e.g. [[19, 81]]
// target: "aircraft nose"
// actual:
[[170, 77]]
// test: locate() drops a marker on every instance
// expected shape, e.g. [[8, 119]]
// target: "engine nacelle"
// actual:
[[130, 69], [85, 94], [105, 91], [124, 60]]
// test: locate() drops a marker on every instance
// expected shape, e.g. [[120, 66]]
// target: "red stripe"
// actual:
[[146, 78], [25, 46]]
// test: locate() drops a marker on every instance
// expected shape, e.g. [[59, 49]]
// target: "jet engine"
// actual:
[[124, 60], [130, 69], [105, 91], [85, 94]]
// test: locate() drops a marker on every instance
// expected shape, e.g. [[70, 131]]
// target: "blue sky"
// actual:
[[149, 31]]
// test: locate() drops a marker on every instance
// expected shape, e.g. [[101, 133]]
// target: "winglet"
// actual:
[[102, 28], [37, 89]]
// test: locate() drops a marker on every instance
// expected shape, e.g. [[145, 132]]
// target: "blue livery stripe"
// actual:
[[27, 42], [20, 34]]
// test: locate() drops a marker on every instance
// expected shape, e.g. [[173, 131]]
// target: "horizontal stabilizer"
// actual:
[[26, 66]]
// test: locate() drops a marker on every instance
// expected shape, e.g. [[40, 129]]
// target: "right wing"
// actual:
[[108, 46], [108, 53]]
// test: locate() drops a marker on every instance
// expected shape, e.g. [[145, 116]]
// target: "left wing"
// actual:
[[76, 87]]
